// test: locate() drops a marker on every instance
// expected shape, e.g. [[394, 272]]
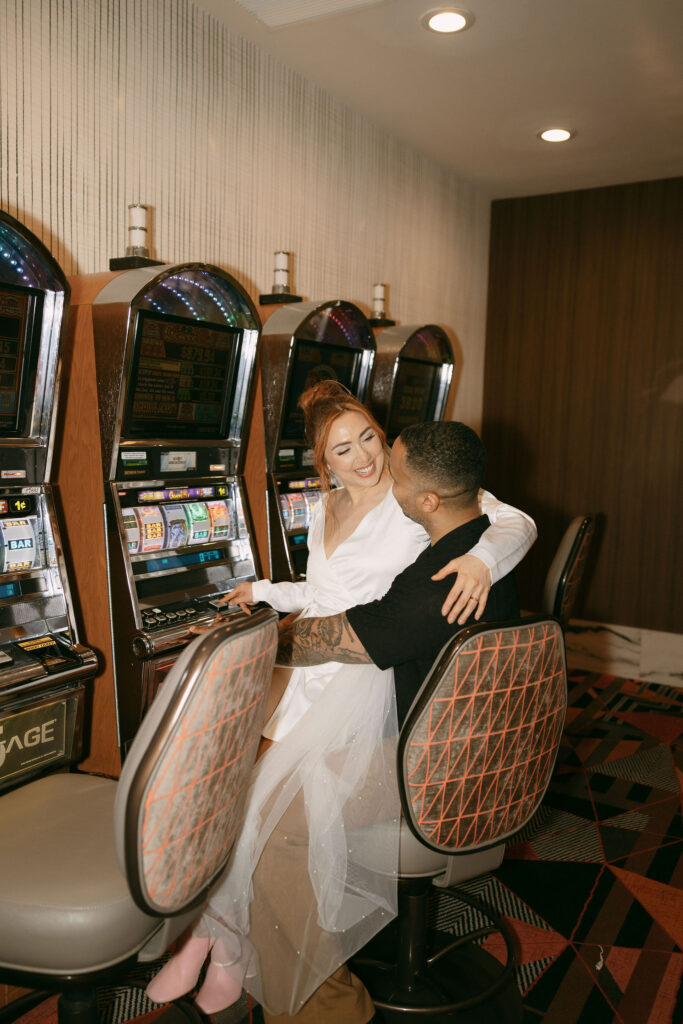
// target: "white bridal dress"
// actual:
[[294, 903]]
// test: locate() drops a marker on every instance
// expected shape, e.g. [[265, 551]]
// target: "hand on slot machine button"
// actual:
[[242, 595], [204, 627]]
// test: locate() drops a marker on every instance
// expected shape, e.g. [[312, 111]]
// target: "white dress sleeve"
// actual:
[[293, 597], [283, 597], [511, 533]]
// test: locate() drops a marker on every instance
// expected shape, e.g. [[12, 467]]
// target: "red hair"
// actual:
[[321, 405]]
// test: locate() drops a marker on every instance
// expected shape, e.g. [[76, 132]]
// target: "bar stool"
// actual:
[[96, 875]]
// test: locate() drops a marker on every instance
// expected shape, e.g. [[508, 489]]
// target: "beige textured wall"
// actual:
[[107, 103]]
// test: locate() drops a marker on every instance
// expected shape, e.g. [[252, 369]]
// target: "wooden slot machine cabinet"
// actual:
[[161, 371], [43, 667], [412, 376], [301, 344]]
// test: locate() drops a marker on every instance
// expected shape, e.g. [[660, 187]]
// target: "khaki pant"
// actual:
[[342, 999], [284, 919]]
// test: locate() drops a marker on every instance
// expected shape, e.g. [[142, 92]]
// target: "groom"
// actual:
[[437, 469]]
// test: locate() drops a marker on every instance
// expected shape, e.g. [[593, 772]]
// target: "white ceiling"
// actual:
[[610, 69]]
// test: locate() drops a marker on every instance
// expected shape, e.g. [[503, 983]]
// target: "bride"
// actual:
[[294, 903]]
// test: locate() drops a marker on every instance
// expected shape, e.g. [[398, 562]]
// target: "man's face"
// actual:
[[405, 489]]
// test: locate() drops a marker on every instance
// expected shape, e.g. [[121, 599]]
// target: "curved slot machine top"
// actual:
[[42, 665], [302, 344], [34, 296], [412, 377], [175, 350], [167, 355]]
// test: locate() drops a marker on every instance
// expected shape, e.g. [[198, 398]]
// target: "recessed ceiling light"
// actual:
[[447, 20], [556, 135]]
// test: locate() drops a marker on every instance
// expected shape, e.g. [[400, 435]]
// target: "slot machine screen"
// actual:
[[181, 378], [414, 395], [20, 323], [312, 363]]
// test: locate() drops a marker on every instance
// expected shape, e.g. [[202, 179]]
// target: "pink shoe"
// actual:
[[222, 987], [180, 974]]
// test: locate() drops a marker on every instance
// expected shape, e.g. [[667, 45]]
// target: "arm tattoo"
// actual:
[[315, 641]]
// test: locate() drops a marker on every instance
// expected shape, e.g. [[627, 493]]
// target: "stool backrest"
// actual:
[[567, 568], [180, 798], [480, 742]]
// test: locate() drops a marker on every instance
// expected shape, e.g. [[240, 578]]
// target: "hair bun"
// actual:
[[324, 391], [320, 403]]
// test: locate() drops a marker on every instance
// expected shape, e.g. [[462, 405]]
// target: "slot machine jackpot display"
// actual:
[[301, 345], [412, 377], [161, 368], [43, 668]]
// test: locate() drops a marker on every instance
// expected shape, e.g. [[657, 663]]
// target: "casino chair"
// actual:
[[96, 875], [567, 569], [475, 757]]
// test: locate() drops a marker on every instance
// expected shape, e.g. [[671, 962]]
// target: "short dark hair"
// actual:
[[447, 457]]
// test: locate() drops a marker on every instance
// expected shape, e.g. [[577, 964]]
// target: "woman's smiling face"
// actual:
[[354, 451]]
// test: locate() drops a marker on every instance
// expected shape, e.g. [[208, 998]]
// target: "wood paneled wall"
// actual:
[[583, 393]]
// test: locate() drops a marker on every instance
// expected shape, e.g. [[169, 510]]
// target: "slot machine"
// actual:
[[302, 344], [43, 667], [412, 377], [161, 364]]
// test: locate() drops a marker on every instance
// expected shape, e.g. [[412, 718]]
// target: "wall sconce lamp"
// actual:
[[137, 250], [379, 316], [280, 292]]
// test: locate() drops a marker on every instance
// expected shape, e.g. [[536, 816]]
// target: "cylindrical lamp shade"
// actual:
[[281, 273], [137, 230], [378, 301]]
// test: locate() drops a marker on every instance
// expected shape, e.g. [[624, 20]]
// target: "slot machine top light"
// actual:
[[33, 296]]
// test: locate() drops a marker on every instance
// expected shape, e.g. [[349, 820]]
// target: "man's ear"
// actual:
[[429, 501]]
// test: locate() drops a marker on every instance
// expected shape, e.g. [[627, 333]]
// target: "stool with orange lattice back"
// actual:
[[567, 569], [475, 757], [97, 875]]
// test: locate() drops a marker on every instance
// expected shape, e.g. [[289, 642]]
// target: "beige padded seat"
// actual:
[[64, 899]]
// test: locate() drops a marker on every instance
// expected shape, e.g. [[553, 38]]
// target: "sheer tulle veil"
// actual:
[[296, 902]]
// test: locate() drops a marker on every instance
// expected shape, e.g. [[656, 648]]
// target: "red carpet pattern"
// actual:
[[593, 885]]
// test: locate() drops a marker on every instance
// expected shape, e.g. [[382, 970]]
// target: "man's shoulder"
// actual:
[[435, 556], [461, 539]]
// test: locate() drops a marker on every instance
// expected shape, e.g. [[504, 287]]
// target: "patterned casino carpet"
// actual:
[[592, 887]]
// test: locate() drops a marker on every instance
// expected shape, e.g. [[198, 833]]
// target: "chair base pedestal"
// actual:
[[77, 1006], [414, 973], [453, 979]]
